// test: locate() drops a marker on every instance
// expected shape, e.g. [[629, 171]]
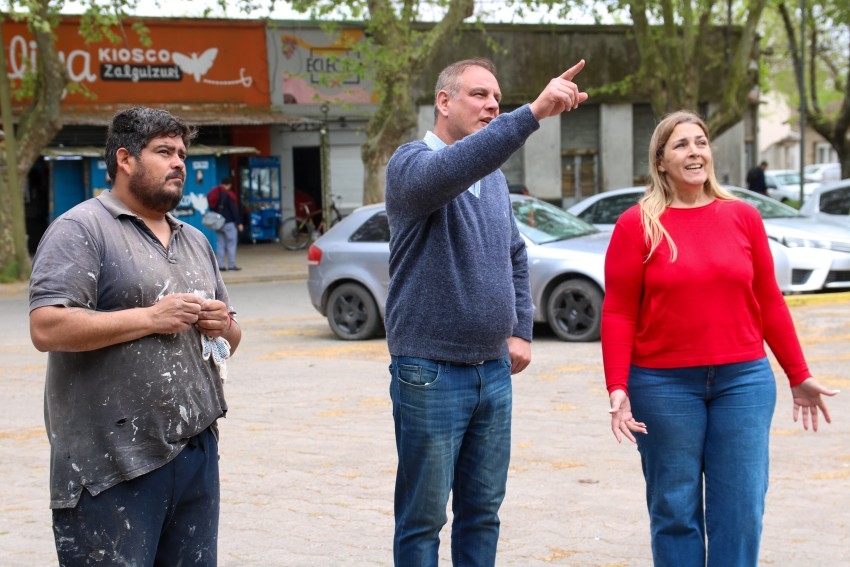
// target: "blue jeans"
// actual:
[[453, 434], [711, 425], [168, 516], [225, 243]]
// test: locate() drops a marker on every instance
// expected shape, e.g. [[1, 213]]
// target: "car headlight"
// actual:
[[797, 242]]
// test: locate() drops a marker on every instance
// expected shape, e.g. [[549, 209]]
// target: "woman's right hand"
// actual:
[[622, 421]]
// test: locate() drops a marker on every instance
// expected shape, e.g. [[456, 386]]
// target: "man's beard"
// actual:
[[153, 195]]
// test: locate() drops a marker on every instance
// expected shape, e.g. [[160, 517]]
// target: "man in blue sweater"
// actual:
[[459, 311]]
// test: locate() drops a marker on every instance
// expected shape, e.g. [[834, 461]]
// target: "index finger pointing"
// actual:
[[573, 71]]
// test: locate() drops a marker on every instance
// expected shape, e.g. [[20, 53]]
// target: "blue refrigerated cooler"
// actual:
[[259, 191]]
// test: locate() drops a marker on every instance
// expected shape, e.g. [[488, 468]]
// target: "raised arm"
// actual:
[[560, 95]]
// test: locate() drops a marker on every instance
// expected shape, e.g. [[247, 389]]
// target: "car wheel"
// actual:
[[352, 313], [574, 311]]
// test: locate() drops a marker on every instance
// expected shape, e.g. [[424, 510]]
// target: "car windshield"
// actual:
[[541, 222], [768, 208]]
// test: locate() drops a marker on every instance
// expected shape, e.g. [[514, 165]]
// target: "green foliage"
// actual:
[[827, 49], [9, 272]]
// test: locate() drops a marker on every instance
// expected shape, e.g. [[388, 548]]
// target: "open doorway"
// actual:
[[307, 176], [37, 203]]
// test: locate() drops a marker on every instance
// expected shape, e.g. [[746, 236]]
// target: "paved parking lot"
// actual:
[[308, 457]]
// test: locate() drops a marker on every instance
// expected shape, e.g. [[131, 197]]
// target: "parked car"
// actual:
[[817, 253], [348, 270], [784, 185], [823, 172], [518, 189], [830, 203]]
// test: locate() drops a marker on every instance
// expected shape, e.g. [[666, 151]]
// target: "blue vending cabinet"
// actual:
[[67, 185], [97, 177], [259, 191], [203, 172]]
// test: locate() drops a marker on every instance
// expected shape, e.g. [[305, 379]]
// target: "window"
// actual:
[[376, 229], [836, 202], [608, 210]]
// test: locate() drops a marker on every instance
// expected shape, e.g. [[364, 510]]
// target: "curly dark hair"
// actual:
[[133, 128]]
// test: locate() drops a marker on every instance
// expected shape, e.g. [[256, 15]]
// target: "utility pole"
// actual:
[[324, 140]]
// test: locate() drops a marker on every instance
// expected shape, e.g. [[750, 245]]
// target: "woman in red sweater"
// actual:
[[691, 297]]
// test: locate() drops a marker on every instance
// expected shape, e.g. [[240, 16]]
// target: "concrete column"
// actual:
[[616, 146], [542, 160], [730, 156]]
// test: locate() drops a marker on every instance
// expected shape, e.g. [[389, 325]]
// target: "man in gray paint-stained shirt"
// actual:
[[131, 308]]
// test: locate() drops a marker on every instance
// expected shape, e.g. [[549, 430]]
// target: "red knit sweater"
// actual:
[[716, 304]]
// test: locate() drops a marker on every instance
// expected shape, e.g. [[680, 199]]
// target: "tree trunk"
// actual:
[[14, 257], [399, 55], [391, 126], [37, 126], [834, 127], [674, 53]]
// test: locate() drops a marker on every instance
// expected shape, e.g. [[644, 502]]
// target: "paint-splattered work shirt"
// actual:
[[119, 412]]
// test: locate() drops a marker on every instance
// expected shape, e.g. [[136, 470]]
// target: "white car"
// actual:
[[830, 203], [784, 185], [817, 253], [823, 172]]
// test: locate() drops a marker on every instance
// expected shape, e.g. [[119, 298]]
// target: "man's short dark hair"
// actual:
[[227, 180], [133, 128]]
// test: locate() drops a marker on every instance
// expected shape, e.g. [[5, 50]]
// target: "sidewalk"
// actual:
[[267, 262], [261, 262]]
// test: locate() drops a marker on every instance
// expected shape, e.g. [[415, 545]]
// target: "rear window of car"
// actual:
[[836, 202], [608, 210], [375, 229]]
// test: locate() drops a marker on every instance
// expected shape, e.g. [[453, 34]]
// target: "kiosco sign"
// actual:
[[193, 61]]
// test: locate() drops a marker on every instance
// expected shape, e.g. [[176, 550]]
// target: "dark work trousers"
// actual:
[[164, 518]]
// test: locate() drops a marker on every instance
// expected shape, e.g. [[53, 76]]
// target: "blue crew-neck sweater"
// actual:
[[459, 283]]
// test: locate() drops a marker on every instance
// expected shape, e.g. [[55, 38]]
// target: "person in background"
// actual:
[[690, 300], [138, 324], [222, 199], [459, 311], [755, 179]]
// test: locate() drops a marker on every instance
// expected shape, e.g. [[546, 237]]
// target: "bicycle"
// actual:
[[296, 232]]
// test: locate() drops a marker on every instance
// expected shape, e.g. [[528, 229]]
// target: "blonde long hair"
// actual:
[[659, 194]]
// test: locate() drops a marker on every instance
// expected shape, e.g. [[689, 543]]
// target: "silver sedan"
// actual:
[[348, 270]]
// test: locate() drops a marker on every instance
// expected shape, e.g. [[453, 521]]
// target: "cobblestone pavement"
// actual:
[[308, 457]]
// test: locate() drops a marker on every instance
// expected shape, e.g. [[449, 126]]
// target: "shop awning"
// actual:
[[196, 115], [194, 150]]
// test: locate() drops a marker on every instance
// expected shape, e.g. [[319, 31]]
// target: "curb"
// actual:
[[825, 298], [817, 298], [268, 278]]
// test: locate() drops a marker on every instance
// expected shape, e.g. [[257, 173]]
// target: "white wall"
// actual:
[[729, 156], [616, 140], [542, 157]]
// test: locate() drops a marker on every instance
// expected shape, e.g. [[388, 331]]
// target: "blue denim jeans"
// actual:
[[225, 245], [453, 434], [705, 460]]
